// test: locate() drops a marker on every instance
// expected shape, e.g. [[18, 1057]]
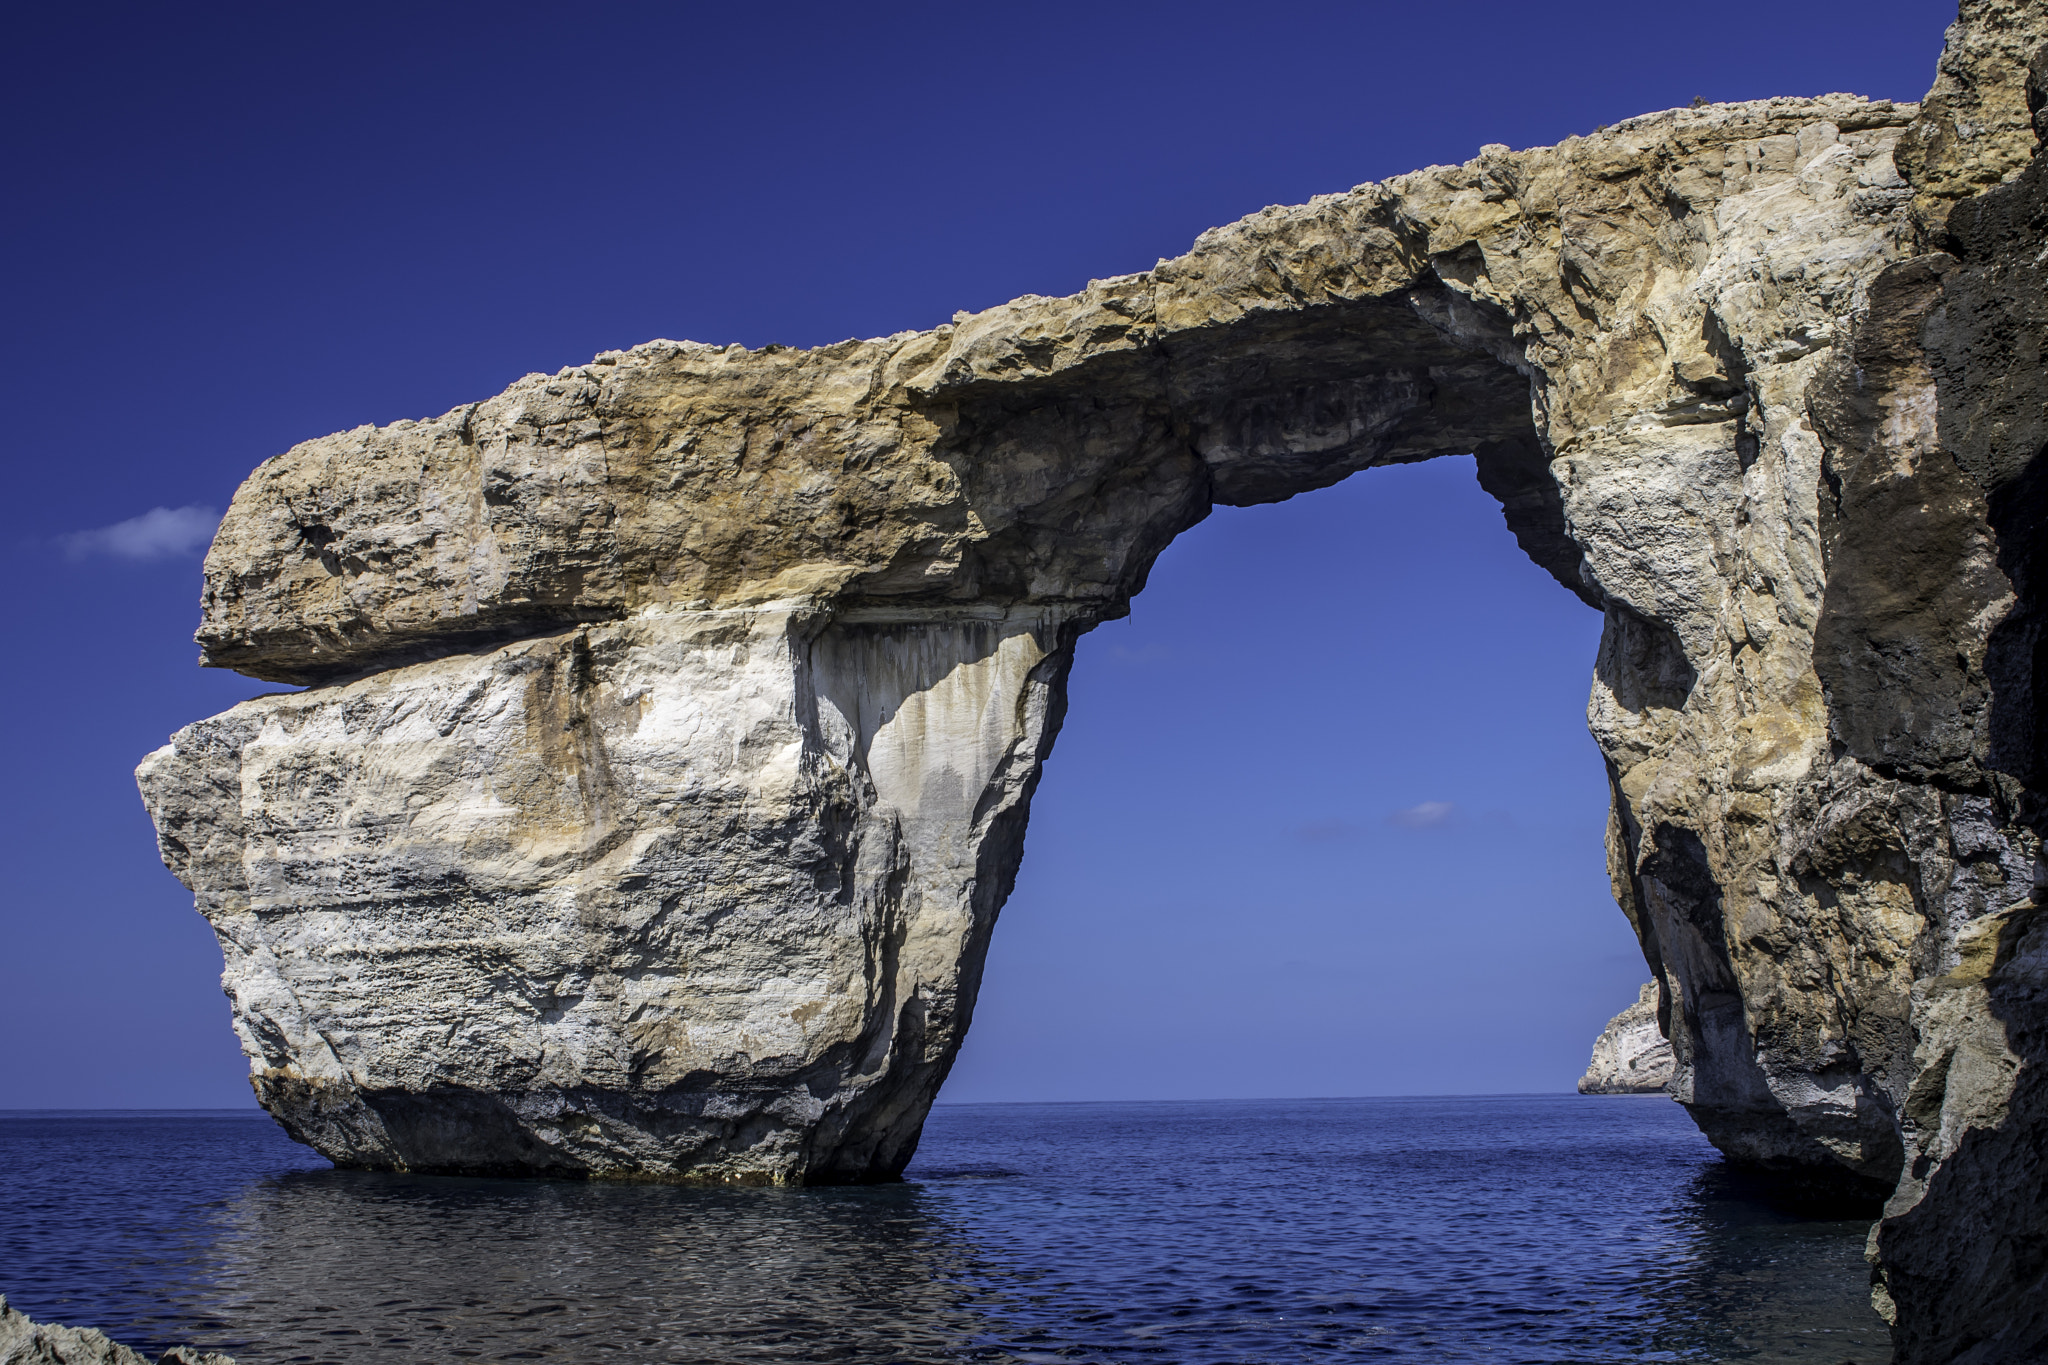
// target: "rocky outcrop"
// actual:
[[674, 718], [26, 1342], [1962, 1255], [680, 854], [1631, 1056]]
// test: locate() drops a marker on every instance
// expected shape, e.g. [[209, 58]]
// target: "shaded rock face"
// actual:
[[674, 718], [1631, 1056], [1962, 1255]]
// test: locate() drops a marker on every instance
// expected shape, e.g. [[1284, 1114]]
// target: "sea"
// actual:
[[1538, 1228]]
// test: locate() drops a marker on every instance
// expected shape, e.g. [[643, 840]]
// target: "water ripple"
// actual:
[[1501, 1229]]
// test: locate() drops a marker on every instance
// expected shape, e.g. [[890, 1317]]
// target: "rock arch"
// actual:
[[675, 717]]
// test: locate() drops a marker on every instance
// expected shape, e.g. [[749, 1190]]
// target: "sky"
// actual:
[[1324, 819]]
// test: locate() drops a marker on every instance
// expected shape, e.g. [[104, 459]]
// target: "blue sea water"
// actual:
[[1517, 1228]]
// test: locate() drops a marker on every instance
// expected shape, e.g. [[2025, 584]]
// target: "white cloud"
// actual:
[[159, 533], [1428, 815]]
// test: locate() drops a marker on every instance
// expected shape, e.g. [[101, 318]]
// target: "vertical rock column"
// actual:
[[700, 896]]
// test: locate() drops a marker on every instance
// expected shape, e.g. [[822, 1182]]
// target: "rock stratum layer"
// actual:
[[673, 719], [1631, 1056]]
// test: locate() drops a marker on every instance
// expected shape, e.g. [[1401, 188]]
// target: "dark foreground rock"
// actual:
[[23, 1342]]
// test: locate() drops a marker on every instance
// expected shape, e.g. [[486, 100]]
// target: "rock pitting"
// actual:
[[1631, 1056], [674, 718]]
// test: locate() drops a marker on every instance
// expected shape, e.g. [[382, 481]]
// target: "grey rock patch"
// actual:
[[1631, 1056]]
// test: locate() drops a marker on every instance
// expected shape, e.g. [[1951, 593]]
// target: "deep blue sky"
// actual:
[[230, 228]]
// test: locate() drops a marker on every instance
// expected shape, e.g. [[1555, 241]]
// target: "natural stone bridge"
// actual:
[[674, 718]]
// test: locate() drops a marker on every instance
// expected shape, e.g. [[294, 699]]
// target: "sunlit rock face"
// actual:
[[673, 719], [1631, 1056]]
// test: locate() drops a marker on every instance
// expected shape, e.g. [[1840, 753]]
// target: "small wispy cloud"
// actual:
[[1428, 815], [159, 533]]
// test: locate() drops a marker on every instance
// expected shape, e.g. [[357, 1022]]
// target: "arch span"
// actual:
[[675, 717], [761, 650]]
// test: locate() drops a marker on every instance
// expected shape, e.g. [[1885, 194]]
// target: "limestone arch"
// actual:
[[677, 715]]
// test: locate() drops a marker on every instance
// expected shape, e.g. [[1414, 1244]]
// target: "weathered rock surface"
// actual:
[[1962, 1255], [26, 1342], [1631, 1056], [692, 876], [689, 896], [675, 717]]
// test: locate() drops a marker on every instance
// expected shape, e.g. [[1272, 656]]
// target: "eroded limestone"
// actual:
[[676, 716], [1624, 327]]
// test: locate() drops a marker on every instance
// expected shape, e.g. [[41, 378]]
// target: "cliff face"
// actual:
[[675, 717], [1960, 338], [1631, 1056]]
